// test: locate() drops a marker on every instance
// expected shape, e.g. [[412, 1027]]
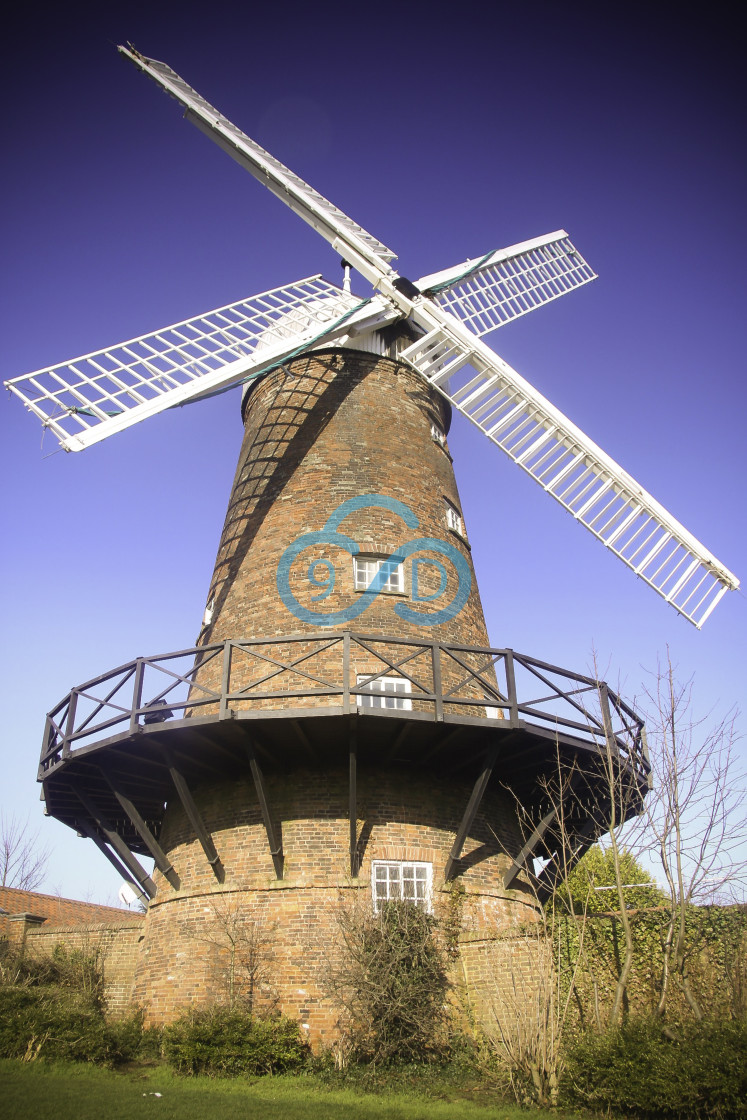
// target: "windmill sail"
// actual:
[[308, 203], [492, 290], [89, 398], [573, 469]]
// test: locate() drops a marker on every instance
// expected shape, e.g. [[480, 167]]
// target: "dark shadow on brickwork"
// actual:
[[477, 855], [287, 431], [363, 840]]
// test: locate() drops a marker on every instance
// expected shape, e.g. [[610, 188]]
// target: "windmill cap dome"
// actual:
[[315, 313], [319, 313]]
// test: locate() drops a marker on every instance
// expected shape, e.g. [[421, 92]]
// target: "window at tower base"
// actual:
[[395, 879]]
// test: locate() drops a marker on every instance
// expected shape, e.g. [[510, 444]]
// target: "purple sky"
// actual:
[[445, 136]]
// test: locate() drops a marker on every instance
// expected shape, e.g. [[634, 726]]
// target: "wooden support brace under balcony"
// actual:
[[576, 846], [135, 868], [160, 858], [470, 812], [85, 829], [276, 847], [193, 815], [353, 796], [528, 850]]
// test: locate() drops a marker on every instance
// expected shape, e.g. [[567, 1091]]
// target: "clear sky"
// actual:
[[446, 133]]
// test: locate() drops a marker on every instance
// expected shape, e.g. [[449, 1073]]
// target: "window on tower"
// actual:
[[385, 692], [454, 519], [438, 435], [395, 879], [367, 567]]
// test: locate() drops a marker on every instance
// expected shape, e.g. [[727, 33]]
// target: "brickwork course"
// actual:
[[330, 427], [401, 817]]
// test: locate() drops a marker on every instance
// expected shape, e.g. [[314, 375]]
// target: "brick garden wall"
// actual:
[[115, 946]]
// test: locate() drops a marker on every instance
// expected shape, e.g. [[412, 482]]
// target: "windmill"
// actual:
[[150, 758]]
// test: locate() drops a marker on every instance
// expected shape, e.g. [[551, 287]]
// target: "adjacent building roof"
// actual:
[[61, 911]]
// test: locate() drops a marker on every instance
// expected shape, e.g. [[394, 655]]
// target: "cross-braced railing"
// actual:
[[338, 671]]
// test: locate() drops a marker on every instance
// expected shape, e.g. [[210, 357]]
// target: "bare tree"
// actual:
[[695, 817], [243, 946], [23, 860], [692, 816], [535, 1017], [531, 1010], [617, 797]]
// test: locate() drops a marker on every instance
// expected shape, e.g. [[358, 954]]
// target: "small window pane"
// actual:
[[410, 881], [454, 519], [365, 570], [386, 692]]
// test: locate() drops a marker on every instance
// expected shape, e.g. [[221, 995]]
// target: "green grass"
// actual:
[[42, 1091]]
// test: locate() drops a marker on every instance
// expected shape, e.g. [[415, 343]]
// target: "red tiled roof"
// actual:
[[61, 911]]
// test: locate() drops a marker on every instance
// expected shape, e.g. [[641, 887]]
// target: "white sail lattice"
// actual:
[[84, 400], [91, 397], [488, 292], [570, 467]]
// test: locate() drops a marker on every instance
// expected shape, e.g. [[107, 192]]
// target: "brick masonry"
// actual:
[[327, 428], [402, 816], [115, 947], [331, 427]]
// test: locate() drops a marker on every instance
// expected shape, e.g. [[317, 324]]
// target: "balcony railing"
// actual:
[[301, 673]]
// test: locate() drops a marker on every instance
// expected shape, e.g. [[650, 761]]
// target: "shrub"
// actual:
[[73, 969], [693, 1071], [391, 984], [55, 1022], [224, 1041], [150, 1047]]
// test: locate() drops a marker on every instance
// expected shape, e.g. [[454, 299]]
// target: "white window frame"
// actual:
[[454, 519], [438, 435], [408, 879], [365, 568], [387, 692]]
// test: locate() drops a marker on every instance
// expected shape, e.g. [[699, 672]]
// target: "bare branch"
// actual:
[[23, 859], [695, 818]]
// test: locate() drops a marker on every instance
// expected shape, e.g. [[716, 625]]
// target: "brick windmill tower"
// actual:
[[343, 729]]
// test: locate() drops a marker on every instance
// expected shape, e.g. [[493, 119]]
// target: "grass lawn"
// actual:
[[75, 1092]]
